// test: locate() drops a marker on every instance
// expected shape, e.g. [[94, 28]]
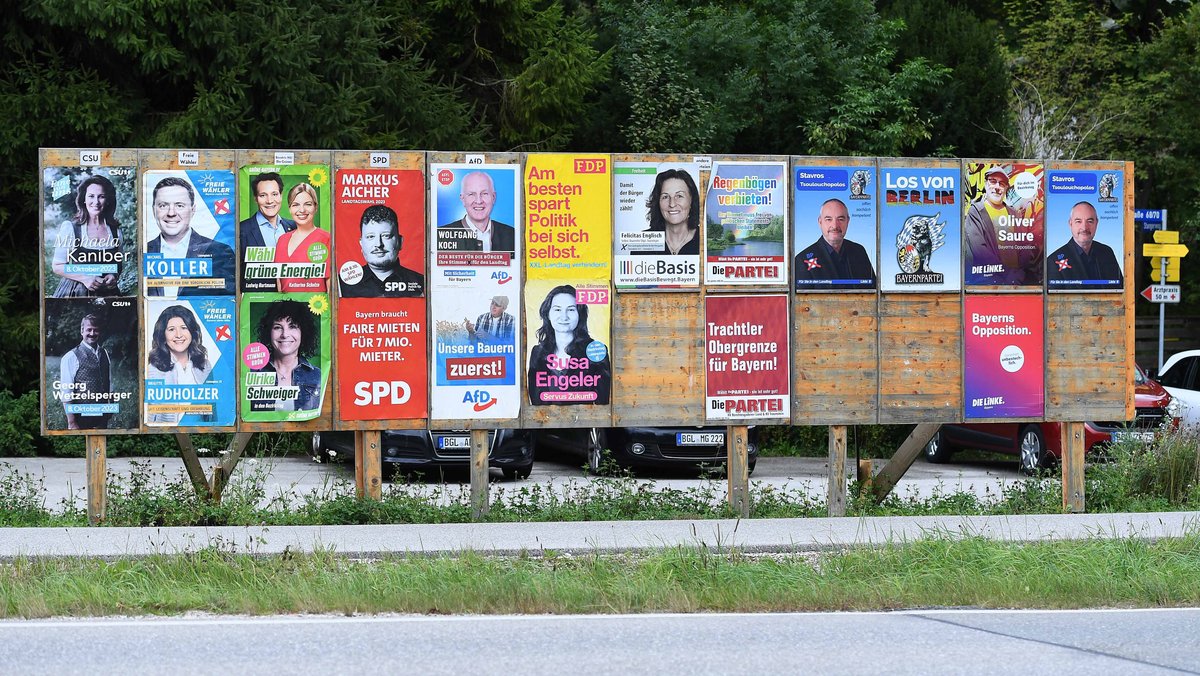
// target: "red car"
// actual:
[[1039, 444]]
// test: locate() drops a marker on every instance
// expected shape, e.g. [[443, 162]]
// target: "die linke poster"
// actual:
[[1004, 367]]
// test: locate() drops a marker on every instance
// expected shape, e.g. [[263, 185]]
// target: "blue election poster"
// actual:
[[833, 211], [188, 233], [191, 356], [1085, 213], [920, 229]]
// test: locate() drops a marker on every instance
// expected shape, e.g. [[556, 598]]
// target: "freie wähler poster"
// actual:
[[380, 251], [920, 229], [656, 221], [91, 348], [569, 339], [1004, 354], [285, 227], [475, 305], [286, 351], [191, 362], [746, 223], [1086, 212], [89, 231], [189, 232], [834, 209], [746, 357], [382, 364], [1004, 224]]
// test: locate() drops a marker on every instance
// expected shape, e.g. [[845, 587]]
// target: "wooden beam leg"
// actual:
[[479, 473], [191, 462], [360, 486], [224, 470], [97, 477], [1073, 465], [837, 470], [372, 458], [885, 481], [737, 469]]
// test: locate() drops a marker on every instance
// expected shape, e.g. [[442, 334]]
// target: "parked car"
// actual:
[[659, 447], [511, 451], [1180, 376], [1039, 444]]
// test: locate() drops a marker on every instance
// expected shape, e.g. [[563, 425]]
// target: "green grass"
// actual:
[[934, 572]]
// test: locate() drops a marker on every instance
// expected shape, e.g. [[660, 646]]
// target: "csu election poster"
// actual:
[[286, 354], [188, 233], [1086, 212], [746, 349], [746, 226], [920, 229], [1004, 369], [191, 360], [91, 348], [1003, 224], [89, 231], [834, 221], [656, 222]]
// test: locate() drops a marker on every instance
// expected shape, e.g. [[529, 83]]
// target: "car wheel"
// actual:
[[517, 473], [1033, 450], [937, 450], [595, 454]]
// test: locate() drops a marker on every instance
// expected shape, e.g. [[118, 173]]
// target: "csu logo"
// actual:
[[482, 399], [502, 276]]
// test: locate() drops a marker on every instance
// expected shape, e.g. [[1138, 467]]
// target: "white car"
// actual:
[[1180, 376]]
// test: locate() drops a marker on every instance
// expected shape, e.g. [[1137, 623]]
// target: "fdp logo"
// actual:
[[482, 400], [591, 165], [502, 277]]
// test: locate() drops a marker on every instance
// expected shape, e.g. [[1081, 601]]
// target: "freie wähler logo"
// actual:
[[918, 239]]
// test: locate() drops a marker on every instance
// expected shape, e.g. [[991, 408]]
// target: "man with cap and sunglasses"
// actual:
[[494, 326], [1015, 260]]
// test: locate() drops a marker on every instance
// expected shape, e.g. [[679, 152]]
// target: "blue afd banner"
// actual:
[[191, 357], [188, 231]]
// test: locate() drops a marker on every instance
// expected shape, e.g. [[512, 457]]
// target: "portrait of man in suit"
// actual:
[[476, 231], [832, 256], [174, 205], [266, 226], [1082, 258]]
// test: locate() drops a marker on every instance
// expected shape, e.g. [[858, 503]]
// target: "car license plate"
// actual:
[[700, 438], [1145, 436], [454, 442]]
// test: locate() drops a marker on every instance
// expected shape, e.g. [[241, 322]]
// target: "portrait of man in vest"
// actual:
[[86, 376]]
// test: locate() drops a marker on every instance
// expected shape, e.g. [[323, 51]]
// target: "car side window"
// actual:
[[1180, 374]]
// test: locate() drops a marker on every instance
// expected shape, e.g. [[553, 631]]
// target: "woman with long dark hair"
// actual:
[[674, 209], [91, 238], [177, 354], [567, 366], [290, 334]]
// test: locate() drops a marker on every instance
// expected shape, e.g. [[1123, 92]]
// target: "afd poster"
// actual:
[[746, 357], [1004, 355], [919, 229], [568, 216], [476, 363], [834, 209], [656, 223], [382, 364], [286, 351], [89, 231], [380, 216], [1086, 212], [190, 362], [188, 233], [285, 229], [569, 340], [1003, 225], [746, 228], [91, 348]]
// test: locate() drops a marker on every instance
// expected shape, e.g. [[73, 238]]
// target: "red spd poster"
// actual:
[[383, 372], [746, 357]]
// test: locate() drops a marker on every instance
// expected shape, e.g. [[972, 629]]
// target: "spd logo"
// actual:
[[482, 399], [381, 391], [502, 276]]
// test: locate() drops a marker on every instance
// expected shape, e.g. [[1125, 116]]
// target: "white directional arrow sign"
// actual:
[[1162, 293]]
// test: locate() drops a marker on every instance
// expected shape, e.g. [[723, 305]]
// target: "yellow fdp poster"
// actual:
[[568, 216]]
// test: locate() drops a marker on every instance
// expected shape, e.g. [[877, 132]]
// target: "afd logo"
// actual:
[[504, 277], [482, 399]]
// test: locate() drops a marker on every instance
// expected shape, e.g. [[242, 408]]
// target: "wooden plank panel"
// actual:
[[835, 355], [658, 376], [1086, 357], [920, 353]]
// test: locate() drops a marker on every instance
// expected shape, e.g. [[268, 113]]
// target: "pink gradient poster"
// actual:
[[1004, 367]]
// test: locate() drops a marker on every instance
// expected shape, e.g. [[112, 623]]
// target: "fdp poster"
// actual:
[[91, 348], [656, 219], [1004, 224], [188, 233], [89, 231], [191, 361], [568, 326], [285, 231], [286, 353], [568, 216], [836, 206], [381, 233], [1004, 357], [746, 226], [920, 229], [746, 357], [1086, 209], [382, 368]]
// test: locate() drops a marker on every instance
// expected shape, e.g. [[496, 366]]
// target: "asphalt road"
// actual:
[[916, 642]]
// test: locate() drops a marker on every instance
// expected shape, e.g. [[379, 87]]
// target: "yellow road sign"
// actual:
[[1174, 250], [1166, 236], [1172, 269]]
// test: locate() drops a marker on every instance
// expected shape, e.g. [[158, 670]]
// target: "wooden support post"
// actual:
[[97, 477], [360, 486], [1072, 467], [866, 471], [479, 473], [224, 469], [191, 462], [836, 493], [885, 481], [737, 470], [373, 464]]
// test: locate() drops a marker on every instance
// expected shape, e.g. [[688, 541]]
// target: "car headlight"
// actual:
[[1175, 408]]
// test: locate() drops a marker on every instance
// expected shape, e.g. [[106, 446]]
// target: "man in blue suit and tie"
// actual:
[[264, 228], [174, 204]]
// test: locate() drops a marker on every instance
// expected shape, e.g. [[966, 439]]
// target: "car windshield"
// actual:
[[1139, 376]]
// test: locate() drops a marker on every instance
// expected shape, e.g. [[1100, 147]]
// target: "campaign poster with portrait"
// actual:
[[656, 223], [1004, 224], [382, 364], [476, 365], [92, 378], [569, 339], [1004, 353], [834, 209], [1086, 212], [188, 233], [746, 357], [285, 228], [920, 232], [473, 212], [89, 231], [286, 351], [190, 362], [746, 228], [568, 216], [381, 233]]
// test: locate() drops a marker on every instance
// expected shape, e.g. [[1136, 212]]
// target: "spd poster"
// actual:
[[568, 216], [919, 229], [1004, 357], [382, 370], [89, 231], [381, 233], [91, 348], [834, 208], [746, 357], [656, 219], [188, 233], [1086, 212], [1004, 224], [746, 228], [285, 347], [191, 360], [285, 227], [569, 342]]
